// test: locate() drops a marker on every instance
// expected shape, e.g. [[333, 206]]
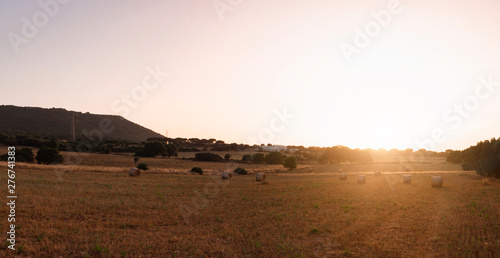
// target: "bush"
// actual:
[[197, 170], [240, 171], [259, 158], [22, 155], [207, 156], [227, 156], [275, 158], [484, 158], [48, 155], [455, 157], [290, 162], [25, 155], [247, 157], [142, 166], [151, 149]]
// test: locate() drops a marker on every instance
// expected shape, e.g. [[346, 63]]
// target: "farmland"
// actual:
[[97, 210]]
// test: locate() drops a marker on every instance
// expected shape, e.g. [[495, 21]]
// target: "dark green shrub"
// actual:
[[247, 157], [197, 170], [48, 155], [484, 157], [240, 171], [275, 157], [151, 149], [207, 156], [22, 155], [25, 155], [455, 157], [142, 166], [258, 158], [290, 162]]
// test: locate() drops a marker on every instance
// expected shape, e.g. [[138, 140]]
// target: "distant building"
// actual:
[[279, 148]]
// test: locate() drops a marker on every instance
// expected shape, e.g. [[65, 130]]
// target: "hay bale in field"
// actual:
[[134, 172], [406, 179], [343, 176], [260, 177], [437, 181], [377, 173], [361, 179], [226, 175], [340, 170]]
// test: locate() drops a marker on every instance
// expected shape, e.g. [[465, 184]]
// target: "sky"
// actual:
[[364, 74]]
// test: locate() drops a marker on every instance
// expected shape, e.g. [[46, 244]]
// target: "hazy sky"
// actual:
[[357, 73]]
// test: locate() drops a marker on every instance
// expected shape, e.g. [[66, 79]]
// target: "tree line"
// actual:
[[484, 157]]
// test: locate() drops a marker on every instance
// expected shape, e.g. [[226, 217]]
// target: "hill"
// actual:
[[58, 122]]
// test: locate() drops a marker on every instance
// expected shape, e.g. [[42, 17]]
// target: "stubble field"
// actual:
[[84, 213]]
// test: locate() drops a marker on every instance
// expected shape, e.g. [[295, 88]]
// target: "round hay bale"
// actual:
[[437, 181], [260, 177], [343, 176], [226, 175], [406, 179], [340, 170], [134, 172], [361, 179], [377, 173]]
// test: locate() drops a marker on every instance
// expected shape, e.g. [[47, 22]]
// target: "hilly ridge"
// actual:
[[58, 122]]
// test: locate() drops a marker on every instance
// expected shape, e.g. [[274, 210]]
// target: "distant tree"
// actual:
[[408, 152], [25, 155], [484, 158], [52, 143], [339, 154], [207, 156], [454, 157], [247, 157], [171, 150], [27, 141], [227, 156], [197, 170], [151, 149], [22, 155], [240, 171], [48, 155], [290, 162], [259, 158], [142, 166], [361, 156], [275, 157]]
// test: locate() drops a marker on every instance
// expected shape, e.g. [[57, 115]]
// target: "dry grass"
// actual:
[[112, 214]]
